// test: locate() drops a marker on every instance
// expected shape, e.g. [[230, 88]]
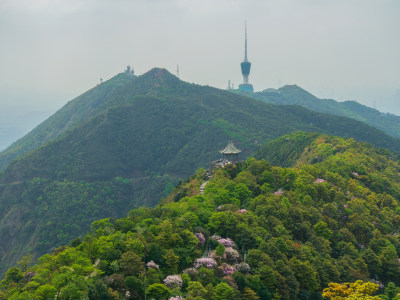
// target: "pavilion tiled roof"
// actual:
[[230, 149]]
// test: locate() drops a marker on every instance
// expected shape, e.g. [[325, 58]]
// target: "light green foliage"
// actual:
[[45, 292], [158, 291], [223, 223], [171, 261], [224, 291], [219, 251], [196, 291], [152, 276], [25, 262], [205, 276], [249, 294], [321, 228], [13, 275]]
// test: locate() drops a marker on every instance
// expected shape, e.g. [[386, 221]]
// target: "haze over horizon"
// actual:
[[53, 51]]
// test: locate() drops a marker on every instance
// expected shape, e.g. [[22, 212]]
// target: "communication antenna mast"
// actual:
[[177, 71], [245, 40], [245, 66]]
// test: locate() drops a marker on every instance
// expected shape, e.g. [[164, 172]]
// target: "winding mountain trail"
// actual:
[[202, 187]]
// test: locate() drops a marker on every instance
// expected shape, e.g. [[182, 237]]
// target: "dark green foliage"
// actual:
[[58, 213], [135, 285], [98, 290]]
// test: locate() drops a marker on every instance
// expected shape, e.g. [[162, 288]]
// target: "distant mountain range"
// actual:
[[126, 143], [295, 95]]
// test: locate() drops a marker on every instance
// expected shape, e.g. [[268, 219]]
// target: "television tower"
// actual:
[[245, 66]]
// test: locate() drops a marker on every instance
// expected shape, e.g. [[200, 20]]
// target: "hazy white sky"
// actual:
[[53, 50]]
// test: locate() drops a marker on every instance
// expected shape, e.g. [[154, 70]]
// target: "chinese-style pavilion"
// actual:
[[230, 152]]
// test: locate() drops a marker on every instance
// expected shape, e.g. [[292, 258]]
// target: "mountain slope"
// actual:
[[71, 114], [294, 95], [134, 144], [149, 134], [303, 148], [258, 232]]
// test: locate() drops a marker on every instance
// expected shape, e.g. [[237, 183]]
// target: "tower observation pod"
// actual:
[[245, 66]]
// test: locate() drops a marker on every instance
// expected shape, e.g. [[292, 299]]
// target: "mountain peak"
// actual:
[[295, 89], [159, 74]]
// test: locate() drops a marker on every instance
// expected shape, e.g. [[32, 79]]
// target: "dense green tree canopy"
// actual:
[[283, 233]]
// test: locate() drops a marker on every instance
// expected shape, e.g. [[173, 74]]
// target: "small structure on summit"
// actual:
[[129, 71], [230, 152]]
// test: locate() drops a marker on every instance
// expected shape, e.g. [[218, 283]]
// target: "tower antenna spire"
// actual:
[[245, 40], [245, 65]]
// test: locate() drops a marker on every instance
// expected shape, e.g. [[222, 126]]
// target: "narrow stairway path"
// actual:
[[202, 187]]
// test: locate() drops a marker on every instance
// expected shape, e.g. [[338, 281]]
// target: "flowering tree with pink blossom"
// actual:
[[227, 242], [242, 211], [231, 254], [190, 271], [278, 192], [226, 269], [173, 281], [152, 265], [319, 180], [200, 237], [212, 254], [230, 281], [242, 268], [207, 262], [29, 275], [215, 237]]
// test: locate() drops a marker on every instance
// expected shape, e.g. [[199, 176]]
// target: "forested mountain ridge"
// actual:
[[121, 88], [129, 146], [258, 232], [294, 95], [74, 112], [292, 150]]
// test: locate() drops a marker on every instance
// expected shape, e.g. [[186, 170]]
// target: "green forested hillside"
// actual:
[[74, 112], [121, 89], [258, 232], [294, 95], [127, 146]]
